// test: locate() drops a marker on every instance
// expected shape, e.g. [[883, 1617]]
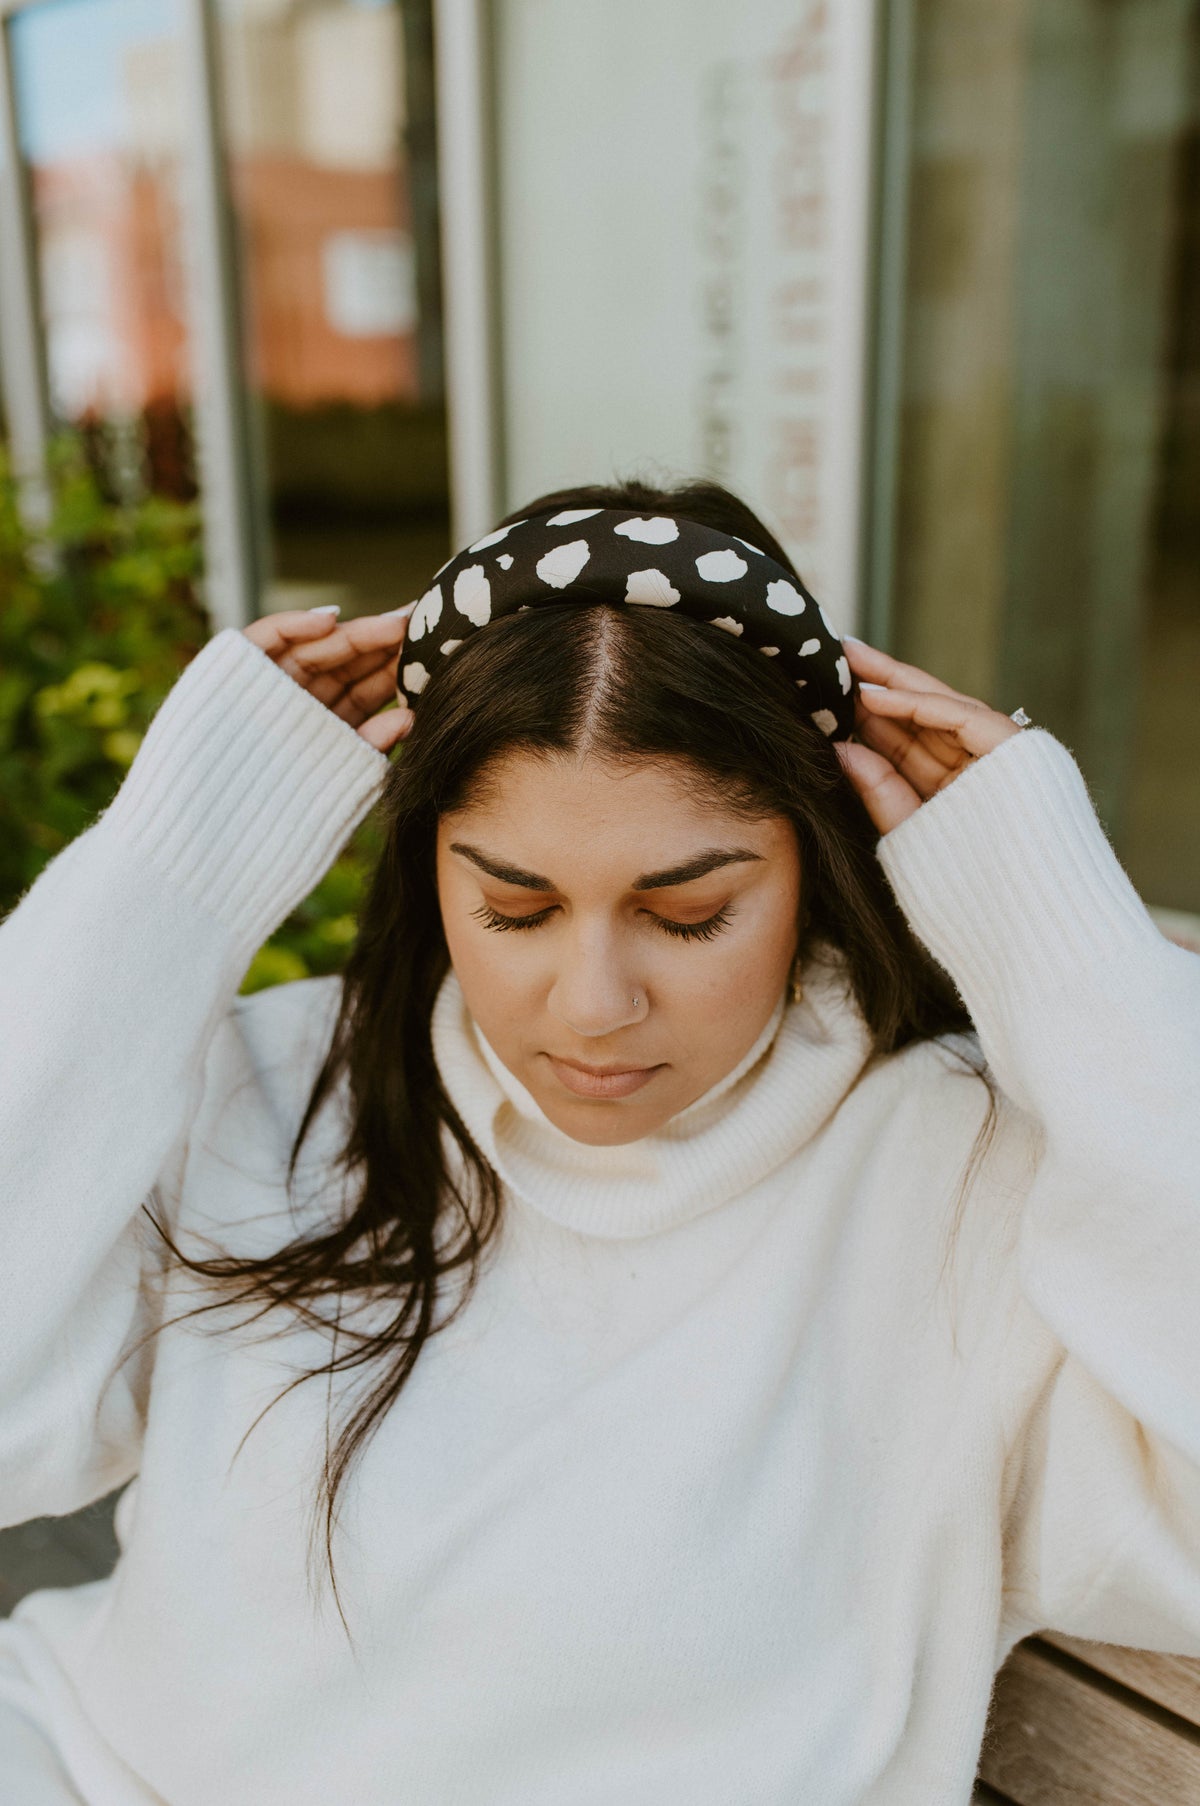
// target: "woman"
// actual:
[[762, 1283]]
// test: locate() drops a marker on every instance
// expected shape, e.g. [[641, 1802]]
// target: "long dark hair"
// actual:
[[612, 681]]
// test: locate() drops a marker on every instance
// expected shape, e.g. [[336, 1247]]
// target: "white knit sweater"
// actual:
[[723, 1490]]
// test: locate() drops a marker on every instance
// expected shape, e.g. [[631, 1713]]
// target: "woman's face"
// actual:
[[603, 868]]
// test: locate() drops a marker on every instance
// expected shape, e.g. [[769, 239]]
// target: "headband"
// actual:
[[655, 561]]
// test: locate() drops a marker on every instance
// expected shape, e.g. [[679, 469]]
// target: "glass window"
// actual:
[[682, 199], [328, 116], [1047, 489], [98, 112]]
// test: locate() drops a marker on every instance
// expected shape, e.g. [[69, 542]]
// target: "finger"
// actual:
[[889, 799], [924, 764], [361, 659], [306, 640], [332, 667], [385, 730], [290, 627], [869, 664], [365, 641], [972, 724], [942, 746], [362, 698], [337, 688]]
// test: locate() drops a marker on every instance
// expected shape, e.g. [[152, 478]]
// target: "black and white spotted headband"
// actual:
[[656, 561]]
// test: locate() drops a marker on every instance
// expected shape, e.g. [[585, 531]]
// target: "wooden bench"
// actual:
[[1089, 1724]]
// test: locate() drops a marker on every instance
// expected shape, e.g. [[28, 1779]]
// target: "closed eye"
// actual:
[[688, 931], [491, 918], [695, 931]]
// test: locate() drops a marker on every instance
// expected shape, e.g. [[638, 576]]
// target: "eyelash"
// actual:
[[687, 931]]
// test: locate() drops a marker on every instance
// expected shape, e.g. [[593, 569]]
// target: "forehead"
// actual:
[[641, 811]]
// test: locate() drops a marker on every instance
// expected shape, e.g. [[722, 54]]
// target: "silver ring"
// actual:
[[1021, 718]]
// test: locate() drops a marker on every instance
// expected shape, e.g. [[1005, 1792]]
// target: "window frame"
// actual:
[[233, 550]]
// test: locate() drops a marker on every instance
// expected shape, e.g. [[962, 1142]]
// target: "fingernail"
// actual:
[[387, 613], [325, 608], [863, 685]]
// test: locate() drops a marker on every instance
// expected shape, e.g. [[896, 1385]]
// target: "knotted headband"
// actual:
[[651, 561]]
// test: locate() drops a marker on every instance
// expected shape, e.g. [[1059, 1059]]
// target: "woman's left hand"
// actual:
[[914, 735]]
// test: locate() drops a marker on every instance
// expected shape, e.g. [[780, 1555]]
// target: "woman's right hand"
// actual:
[[350, 666]]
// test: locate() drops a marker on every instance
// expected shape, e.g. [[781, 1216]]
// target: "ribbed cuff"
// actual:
[[245, 787], [1008, 878]]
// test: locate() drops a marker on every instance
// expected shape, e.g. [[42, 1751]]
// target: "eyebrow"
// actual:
[[708, 861]]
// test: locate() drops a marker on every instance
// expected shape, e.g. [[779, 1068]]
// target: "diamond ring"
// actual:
[[1021, 718]]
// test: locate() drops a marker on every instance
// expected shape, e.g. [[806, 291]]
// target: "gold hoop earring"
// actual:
[[796, 984]]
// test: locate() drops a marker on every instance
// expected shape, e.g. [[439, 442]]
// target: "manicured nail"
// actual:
[[325, 608], [388, 613], [863, 685]]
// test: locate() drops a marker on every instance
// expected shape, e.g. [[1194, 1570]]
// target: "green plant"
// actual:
[[99, 615]]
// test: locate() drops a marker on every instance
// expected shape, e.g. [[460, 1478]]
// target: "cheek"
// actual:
[[759, 944], [741, 983], [491, 972], [740, 980], [485, 967], [713, 996]]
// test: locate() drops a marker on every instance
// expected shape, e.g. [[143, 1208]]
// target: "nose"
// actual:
[[593, 992]]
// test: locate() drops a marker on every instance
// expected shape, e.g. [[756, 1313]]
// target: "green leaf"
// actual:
[[101, 614]]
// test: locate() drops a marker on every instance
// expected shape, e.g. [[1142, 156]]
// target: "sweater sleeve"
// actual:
[[116, 967], [1090, 1022]]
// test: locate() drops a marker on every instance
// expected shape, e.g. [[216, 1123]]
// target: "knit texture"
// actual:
[[757, 1446]]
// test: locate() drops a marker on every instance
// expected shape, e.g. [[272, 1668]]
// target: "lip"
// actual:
[[601, 1081]]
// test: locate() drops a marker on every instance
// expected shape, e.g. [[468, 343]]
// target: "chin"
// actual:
[[602, 1125]]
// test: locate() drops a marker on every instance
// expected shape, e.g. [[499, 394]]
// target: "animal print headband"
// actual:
[[655, 561]]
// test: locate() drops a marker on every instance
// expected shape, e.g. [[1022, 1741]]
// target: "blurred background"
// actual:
[[297, 295]]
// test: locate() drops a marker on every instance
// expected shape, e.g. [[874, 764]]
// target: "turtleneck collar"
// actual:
[[784, 1088]]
